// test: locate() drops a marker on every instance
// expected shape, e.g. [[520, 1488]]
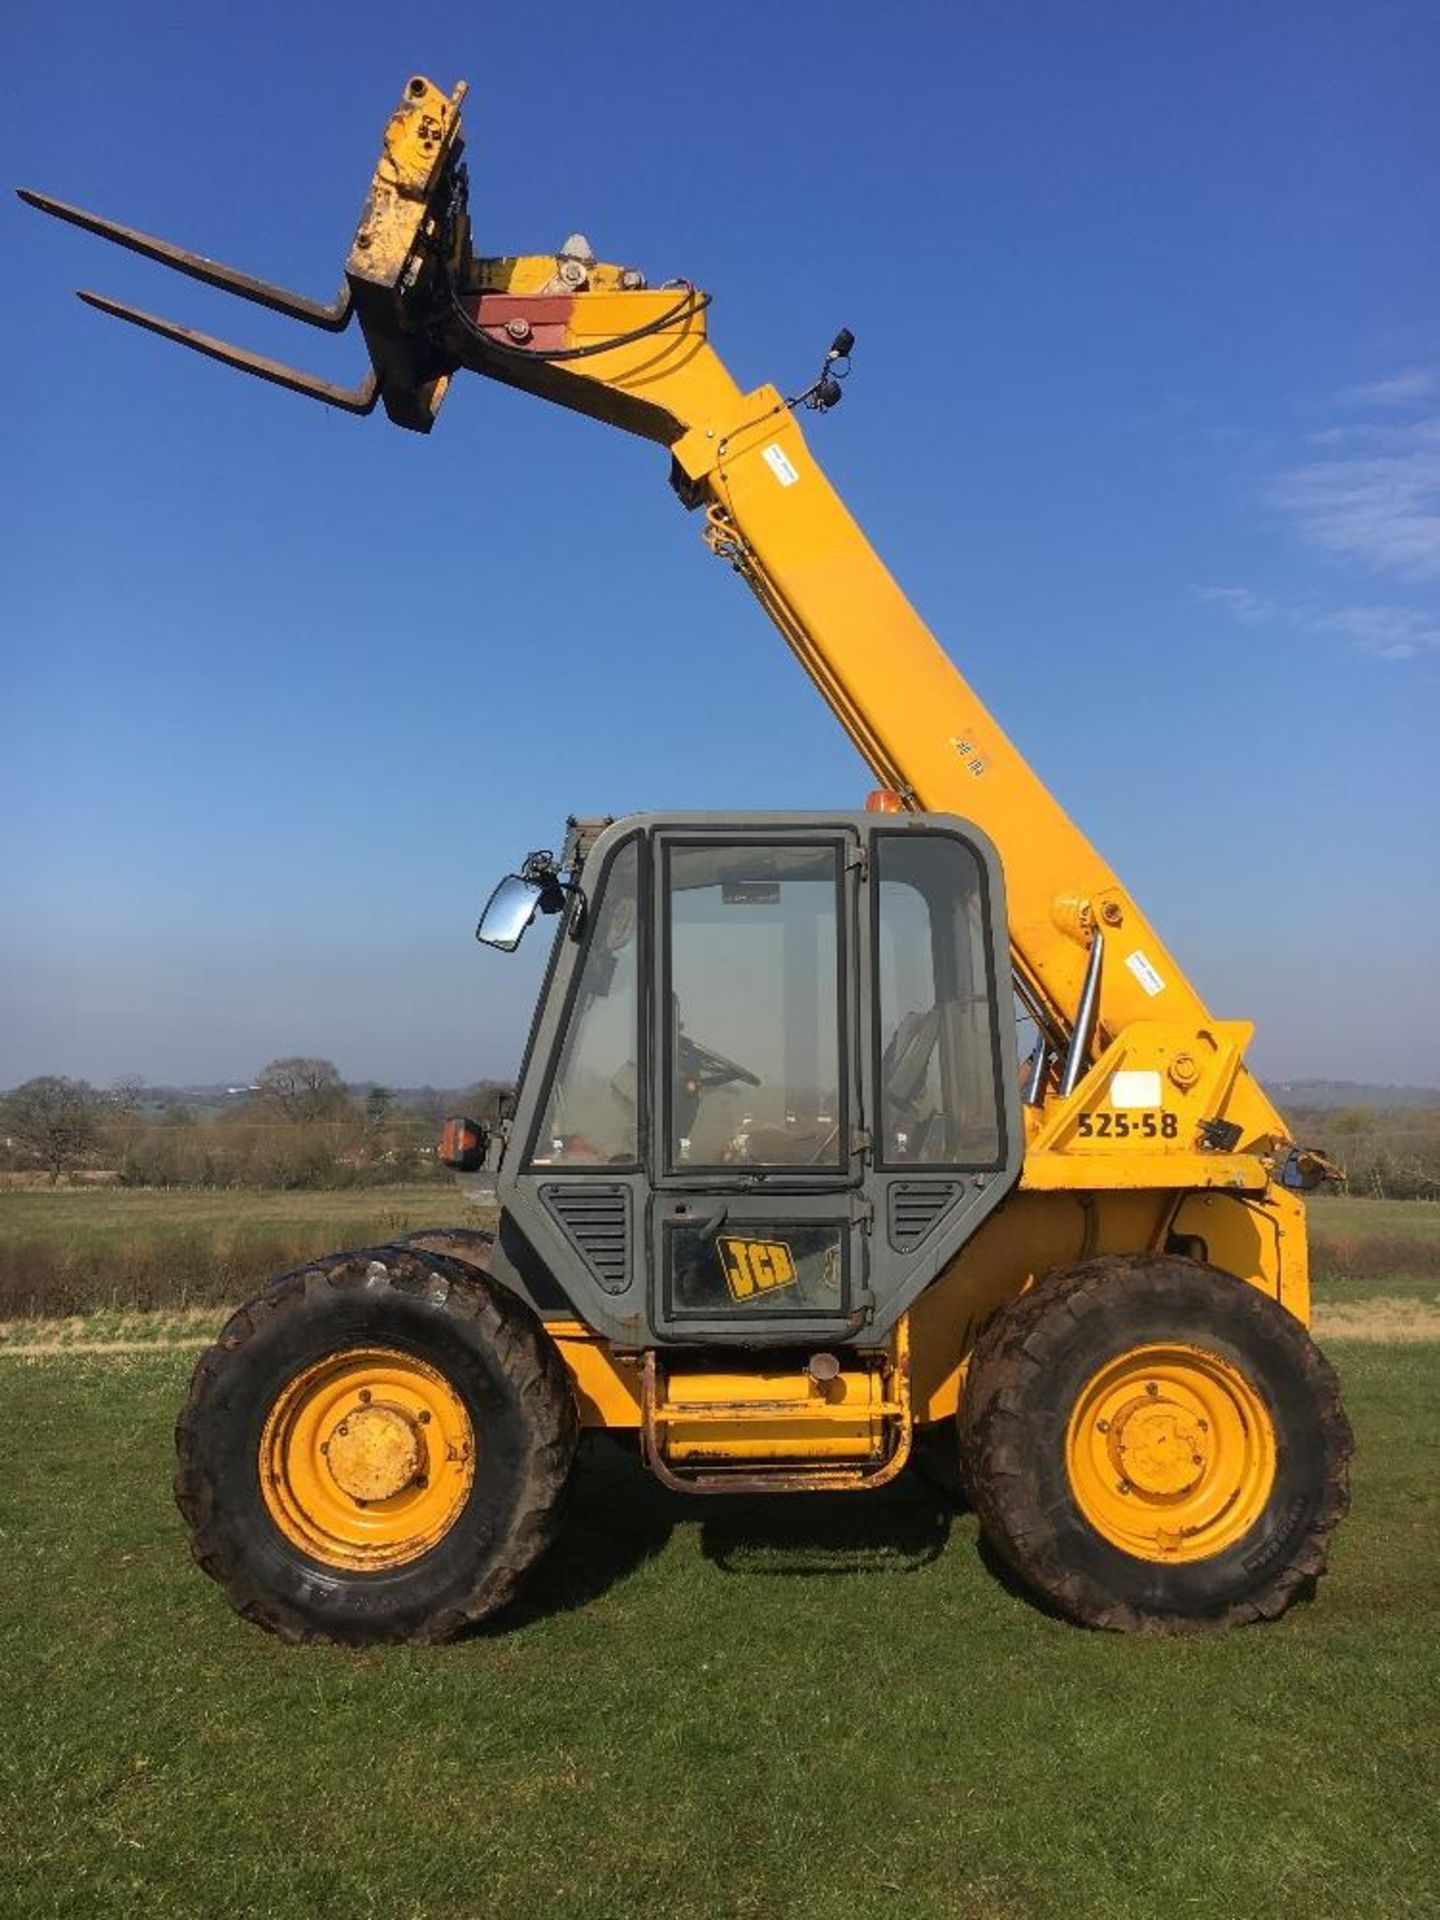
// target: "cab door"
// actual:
[[940, 1076], [757, 1150]]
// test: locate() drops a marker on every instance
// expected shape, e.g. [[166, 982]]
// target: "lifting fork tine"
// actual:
[[334, 318], [359, 399]]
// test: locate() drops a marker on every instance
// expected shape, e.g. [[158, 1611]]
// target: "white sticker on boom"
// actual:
[[1135, 1087], [780, 465], [1144, 973]]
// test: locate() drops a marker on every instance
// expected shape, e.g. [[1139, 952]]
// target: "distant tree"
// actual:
[[301, 1089], [379, 1106], [126, 1095], [428, 1105], [58, 1122], [124, 1115]]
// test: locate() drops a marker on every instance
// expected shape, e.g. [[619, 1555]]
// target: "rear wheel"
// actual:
[[377, 1448], [1152, 1444]]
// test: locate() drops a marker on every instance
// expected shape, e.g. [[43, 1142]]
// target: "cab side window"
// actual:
[[936, 1070], [592, 1113]]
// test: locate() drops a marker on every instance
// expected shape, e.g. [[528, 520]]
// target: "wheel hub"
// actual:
[[1170, 1453], [367, 1459], [1155, 1444], [375, 1452]]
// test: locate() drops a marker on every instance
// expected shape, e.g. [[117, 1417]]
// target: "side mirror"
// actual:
[[509, 911]]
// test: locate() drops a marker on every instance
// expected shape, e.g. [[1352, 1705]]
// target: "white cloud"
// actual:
[[1392, 633], [1251, 609], [1385, 632], [1378, 502], [1400, 390], [1367, 491], [1374, 436]]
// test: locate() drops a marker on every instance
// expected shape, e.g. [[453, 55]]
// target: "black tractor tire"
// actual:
[[1031, 1365], [493, 1355]]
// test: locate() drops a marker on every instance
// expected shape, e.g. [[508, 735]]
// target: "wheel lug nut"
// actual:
[[1150, 1387], [424, 1419], [1102, 1426], [365, 1396], [1122, 1486]]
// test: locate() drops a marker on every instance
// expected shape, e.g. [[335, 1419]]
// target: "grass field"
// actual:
[[65, 1251], [1334, 1216], [75, 1250], [743, 1708], [1373, 1239], [101, 1217], [820, 1708]]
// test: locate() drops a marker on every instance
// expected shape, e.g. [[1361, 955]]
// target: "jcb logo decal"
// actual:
[[756, 1266]]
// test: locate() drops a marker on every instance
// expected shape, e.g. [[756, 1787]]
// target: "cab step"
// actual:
[[828, 1423]]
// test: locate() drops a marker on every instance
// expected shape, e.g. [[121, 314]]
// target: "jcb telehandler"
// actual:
[[775, 1194]]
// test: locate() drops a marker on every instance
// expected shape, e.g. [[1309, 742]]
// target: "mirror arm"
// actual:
[[555, 891], [556, 894]]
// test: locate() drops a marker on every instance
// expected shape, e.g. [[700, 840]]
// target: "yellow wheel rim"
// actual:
[[1171, 1453], [367, 1459]]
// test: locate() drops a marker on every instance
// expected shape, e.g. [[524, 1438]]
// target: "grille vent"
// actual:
[[915, 1207], [596, 1222]]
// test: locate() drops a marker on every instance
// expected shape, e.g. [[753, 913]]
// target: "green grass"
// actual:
[[1332, 1215], [82, 1250], [701, 1709], [79, 1250], [1335, 1291], [98, 1216], [1373, 1239]]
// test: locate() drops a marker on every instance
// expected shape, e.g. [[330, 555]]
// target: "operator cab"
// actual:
[[769, 1091]]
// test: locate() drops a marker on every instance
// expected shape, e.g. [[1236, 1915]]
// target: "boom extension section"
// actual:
[[596, 338]]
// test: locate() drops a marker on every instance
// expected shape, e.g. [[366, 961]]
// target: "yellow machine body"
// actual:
[[1164, 1139]]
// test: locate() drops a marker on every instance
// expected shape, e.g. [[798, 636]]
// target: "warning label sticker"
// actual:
[[780, 465], [1144, 973]]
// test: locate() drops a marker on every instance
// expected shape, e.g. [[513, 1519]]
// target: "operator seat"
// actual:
[[904, 1072]]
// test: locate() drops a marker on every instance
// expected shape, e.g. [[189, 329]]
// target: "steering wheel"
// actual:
[[707, 1069]]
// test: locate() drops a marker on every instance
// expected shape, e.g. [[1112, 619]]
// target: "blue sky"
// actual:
[[1145, 415]]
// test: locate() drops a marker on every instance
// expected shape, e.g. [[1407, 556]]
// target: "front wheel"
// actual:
[[376, 1449], [1153, 1445]]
